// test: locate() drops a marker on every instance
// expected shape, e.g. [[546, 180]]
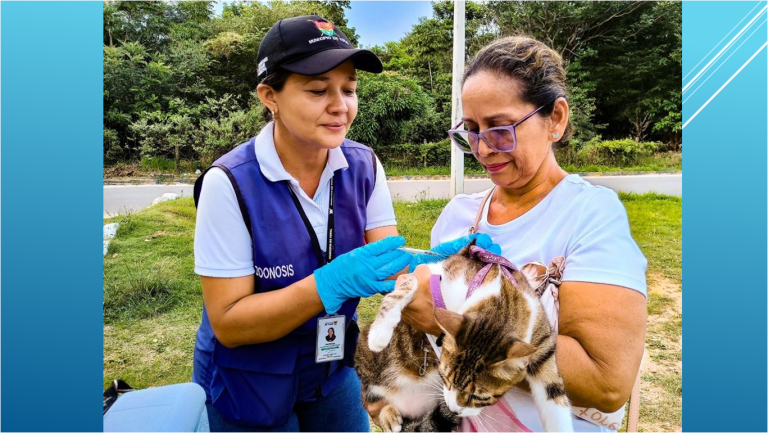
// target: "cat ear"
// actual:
[[518, 356], [449, 321], [520, 349]]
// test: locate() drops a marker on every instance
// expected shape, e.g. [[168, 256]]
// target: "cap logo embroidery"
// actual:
[[325, 28], [262, 66]]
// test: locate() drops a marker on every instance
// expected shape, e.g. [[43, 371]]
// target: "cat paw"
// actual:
[[378, 338], [390, 419]]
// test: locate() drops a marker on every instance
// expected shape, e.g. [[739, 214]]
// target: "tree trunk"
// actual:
[[431, 86], [178, 162]]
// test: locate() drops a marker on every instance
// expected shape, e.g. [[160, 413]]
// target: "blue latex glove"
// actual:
[[361, 272], [452, 247]]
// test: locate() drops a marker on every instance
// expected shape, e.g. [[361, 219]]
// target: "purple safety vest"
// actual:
[[258, 384]]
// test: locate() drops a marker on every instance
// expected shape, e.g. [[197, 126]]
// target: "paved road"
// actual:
[[670, 184], [131, 198]]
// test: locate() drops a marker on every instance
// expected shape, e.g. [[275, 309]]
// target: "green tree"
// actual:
[[637, 81], [567, 27], [143, 22], [620, 58], [134, 82], [426, 52]]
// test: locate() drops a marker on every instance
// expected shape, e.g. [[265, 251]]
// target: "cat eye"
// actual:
[[477, 397]]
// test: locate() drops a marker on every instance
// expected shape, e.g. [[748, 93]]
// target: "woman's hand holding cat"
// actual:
[[420, 312]]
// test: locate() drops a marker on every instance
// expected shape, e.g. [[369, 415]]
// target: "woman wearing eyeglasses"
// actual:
[[574, 235]]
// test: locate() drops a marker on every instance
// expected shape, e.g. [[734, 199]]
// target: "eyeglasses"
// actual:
[[500, 138]]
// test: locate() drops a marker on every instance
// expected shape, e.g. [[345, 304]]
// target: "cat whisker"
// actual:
[[490, 419], [480, 423]]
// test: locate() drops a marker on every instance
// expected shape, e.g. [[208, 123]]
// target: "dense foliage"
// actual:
[[179, 81]]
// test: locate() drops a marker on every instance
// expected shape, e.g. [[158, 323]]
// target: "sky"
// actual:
[[379, 22]]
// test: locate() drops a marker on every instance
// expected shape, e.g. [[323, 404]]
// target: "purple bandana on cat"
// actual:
[[484, 256], [491, 259]]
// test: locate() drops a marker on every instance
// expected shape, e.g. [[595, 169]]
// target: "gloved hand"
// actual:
[[452, 247], [361, 272]]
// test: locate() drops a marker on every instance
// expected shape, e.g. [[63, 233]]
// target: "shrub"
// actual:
[[205, 131], [437, 154], [617, 152], [415, 155], [389, 103], [113, 152]]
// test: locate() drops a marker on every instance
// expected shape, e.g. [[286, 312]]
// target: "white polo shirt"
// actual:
[[223, 246]]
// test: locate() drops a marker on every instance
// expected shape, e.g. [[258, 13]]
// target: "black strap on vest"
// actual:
[[322, 259], [199, 187]]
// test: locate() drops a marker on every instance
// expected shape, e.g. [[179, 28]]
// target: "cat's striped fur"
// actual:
[[493, 340]]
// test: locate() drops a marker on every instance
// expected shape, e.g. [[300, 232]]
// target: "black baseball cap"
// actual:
[[310, 45]]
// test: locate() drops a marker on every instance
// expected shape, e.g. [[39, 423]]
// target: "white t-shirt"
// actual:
[[584, 223], [223, 246]]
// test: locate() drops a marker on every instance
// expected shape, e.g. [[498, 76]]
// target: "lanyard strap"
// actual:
[[322, 260]]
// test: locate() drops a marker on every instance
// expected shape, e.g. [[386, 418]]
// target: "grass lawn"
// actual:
[[152, 300]]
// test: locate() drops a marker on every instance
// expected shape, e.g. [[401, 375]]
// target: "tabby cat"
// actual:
[[491, 340]]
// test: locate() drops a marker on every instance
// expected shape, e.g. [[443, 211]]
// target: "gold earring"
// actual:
[[274, 114]]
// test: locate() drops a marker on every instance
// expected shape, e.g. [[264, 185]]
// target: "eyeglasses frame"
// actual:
[[481, 135]]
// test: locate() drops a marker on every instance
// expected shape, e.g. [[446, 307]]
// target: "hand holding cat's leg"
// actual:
[[390, 419], [420, 312], [372, 406]]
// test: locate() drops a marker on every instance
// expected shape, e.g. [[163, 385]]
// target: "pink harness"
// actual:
[[500, 416]]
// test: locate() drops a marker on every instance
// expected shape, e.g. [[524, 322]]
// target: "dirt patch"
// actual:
[[662, 368], [666, 287], [121, 170]]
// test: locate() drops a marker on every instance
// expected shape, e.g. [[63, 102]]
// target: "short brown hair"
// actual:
[[538, 68]]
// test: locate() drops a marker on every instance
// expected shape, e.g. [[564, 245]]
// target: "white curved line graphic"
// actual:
[[726, 83], [724, 48]]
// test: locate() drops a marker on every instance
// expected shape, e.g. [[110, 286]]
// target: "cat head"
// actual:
[[483, 354]]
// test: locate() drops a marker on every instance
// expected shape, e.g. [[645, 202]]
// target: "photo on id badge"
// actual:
[[330, 339]]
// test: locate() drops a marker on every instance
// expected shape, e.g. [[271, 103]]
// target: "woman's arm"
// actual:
[[600, 343], [374, 235], [238, 316]]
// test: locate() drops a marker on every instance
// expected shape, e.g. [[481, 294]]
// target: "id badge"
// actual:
[[330, 338]]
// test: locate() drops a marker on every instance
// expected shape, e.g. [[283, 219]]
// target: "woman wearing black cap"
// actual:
[[279, 244]]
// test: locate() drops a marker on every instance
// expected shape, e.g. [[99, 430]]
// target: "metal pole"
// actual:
[[457, 157]]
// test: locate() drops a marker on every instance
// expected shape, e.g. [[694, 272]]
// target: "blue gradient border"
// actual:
[[724, 264], [51, 320], [51, 317]]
